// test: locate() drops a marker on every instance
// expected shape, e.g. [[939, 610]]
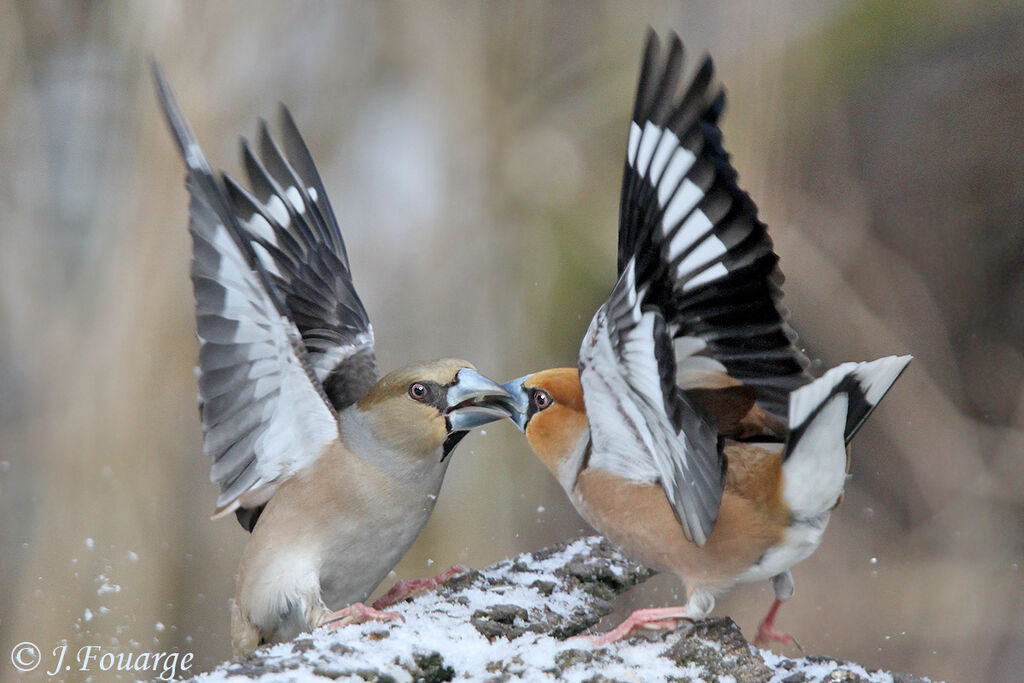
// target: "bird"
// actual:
[[691, 432], [333, 469]]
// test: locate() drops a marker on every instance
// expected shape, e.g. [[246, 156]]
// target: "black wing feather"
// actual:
[[698, 276], [275, 307]]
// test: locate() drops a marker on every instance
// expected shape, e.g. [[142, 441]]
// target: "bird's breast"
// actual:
[[330, 535]]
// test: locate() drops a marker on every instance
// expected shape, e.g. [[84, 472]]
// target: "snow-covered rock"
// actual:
[[513, 622]]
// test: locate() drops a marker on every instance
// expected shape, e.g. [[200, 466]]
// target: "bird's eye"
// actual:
[[418, 391], [542, 399]]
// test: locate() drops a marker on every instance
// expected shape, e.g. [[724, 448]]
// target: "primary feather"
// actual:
[[697, 295], [285, 342]]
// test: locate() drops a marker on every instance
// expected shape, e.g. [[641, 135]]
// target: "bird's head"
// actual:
[[424, 408], [550, 411]]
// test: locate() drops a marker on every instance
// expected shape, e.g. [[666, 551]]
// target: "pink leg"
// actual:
[[766, 632], [403, 589], [357, 613], [654, 618]]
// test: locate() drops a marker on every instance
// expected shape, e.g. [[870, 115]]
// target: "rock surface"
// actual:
[[512, 622]]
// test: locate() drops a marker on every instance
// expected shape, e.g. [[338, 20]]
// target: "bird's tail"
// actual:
[[823, 417]]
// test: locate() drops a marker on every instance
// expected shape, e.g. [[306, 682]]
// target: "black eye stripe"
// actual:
[[435, 395], [539, 400]]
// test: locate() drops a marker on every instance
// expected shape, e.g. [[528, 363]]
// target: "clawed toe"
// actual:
[[766, 632], [406, 588], [770, 635], [357, 613], [654, 619]]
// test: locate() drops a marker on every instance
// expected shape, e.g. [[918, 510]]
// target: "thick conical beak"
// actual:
[[520, 402], [475, 400]]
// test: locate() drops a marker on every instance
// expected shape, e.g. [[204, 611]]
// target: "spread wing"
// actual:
[[290, 222], [642, 425], [696, 237], [698, 300], [284, 340]]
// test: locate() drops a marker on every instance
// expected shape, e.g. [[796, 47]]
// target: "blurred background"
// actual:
[[473, 153]]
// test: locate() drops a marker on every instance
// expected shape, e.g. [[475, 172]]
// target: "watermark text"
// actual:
[[164, 666]]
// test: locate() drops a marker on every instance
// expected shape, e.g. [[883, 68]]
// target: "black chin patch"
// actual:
[[248, 517], [450, 443]]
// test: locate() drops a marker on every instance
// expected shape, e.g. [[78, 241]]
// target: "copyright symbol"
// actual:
[[25, 656]]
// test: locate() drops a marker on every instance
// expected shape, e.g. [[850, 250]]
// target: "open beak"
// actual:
[[520, 401], [475, 400]]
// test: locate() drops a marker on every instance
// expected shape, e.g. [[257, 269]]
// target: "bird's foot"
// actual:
[[357, 613], [767, 633], [655, 619], [770, 635], [404, 589]]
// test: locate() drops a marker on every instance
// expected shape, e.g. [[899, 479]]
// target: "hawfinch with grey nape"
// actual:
[[691, 434], [333, 469]]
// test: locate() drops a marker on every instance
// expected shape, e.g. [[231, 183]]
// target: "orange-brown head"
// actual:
[[551, 412]]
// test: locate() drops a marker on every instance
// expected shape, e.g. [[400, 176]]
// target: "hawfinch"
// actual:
[[333, 469], [691, 434]]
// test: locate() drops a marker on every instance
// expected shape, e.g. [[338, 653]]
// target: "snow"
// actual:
[[106, 586], [443, 629], [818, 669]]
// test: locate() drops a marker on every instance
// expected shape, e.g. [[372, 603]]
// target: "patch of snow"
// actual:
[[443, 622], [817, 670]]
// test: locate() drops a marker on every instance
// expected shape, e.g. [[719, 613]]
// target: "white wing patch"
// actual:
[[259, 226], [630, 428], [265, 414], [296, 419], [638, 354], [622, 441], [637, 345], [695, 227], [634, 143], [666, 148], [657, 154], [682, 161], [680, 203], [706, 251], [648, 141], [295, 197], [278, 211], [263, 418]]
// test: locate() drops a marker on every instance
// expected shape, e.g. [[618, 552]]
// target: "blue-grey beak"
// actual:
[[520, 402], [475, 400]]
